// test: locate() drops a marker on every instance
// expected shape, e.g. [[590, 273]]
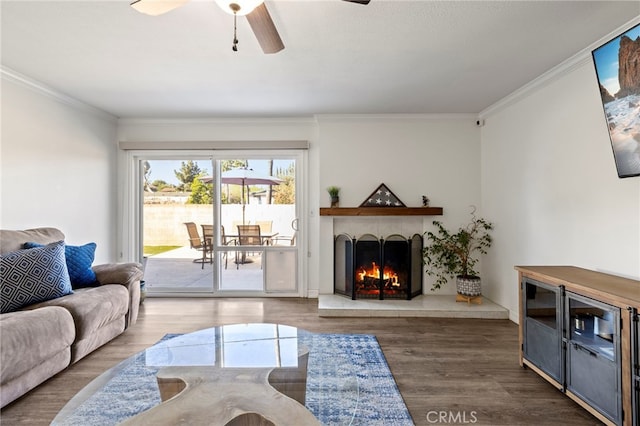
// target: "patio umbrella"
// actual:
[[245, 177]]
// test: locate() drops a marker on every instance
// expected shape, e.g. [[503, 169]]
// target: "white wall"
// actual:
[[414, 155], [550, 185], [58, 167]]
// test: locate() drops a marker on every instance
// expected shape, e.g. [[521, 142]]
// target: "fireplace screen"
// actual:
[[372, 268]]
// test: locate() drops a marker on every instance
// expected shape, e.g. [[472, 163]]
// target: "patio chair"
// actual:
[[226, 241], [284, 240], [196, 242], [248, 235], [207, 234], [266, 227], [207, 231]]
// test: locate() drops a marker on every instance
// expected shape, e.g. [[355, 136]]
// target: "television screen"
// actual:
[[617, 66]]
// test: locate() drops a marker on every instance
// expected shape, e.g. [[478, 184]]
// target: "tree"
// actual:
[[285, 193], [201, 193], [232, 164], [159, 185], [187, 173]]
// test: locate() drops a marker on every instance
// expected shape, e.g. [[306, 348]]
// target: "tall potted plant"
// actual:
[[448, 254]]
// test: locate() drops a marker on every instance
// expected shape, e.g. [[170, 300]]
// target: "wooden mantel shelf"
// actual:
[[381, 211]]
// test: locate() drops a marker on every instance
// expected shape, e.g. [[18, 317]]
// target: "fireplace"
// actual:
[[377, 268]]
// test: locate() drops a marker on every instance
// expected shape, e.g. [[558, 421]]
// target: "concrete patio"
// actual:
[[176, 271]]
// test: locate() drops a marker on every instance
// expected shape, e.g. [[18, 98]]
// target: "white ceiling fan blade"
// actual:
[[156, 7]]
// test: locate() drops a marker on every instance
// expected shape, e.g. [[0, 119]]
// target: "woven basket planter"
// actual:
[[468, 286]]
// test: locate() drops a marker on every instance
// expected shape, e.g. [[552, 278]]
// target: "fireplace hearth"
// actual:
[[378, 268]]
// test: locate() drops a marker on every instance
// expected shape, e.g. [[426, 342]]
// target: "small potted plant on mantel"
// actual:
[[449, 254], [334, 193]]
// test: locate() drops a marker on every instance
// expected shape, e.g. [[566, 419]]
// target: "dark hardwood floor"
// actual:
[[449, 371]]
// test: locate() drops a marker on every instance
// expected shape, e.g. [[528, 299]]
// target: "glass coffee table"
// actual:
[[243, 373]]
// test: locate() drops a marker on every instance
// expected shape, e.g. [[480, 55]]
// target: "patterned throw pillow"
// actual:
[[79, 261], [33, 276]]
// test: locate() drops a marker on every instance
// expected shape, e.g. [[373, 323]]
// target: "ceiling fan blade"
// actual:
[[156, 7], [359, 1], [265, 30]]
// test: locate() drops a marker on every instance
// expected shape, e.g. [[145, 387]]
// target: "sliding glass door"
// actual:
[[220, 223], [176, 203], [258, 224]]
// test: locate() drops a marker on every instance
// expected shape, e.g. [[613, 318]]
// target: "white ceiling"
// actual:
[[391, 56]]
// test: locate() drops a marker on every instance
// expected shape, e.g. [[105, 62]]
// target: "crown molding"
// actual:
[[578, 60], [328, 118], [15, 77], [214, 145], [219, 121]]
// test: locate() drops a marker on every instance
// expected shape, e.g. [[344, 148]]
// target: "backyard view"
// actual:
[[184, 251]]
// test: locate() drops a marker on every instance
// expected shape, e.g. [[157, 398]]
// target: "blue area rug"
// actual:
[[348, 383]]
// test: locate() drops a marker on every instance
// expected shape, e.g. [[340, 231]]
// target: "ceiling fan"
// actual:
[[255, 11]]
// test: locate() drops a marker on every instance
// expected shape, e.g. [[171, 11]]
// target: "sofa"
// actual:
[[56, 306]]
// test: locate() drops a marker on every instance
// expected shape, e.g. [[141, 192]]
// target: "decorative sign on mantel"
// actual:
[[382, 197]]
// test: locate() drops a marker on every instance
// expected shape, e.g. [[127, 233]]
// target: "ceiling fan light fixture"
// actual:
[[156, 7], [239, 7]]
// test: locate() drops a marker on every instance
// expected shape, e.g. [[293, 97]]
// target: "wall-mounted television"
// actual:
[[617, 64]]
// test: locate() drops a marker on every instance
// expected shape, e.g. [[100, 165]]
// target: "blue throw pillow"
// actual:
[[79, 261], [33, 276]]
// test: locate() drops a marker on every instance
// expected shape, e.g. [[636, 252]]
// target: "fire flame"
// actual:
[[388, 274]]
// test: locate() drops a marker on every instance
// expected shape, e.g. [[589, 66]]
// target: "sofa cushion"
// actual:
[[92, 308], [32, 276], [11, 240], [29, 338], [79, 260]]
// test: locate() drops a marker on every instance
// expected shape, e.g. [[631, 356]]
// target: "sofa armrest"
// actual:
[[128, 275]]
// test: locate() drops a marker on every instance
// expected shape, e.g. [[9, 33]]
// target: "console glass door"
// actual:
[[593, 354], [543, 327]]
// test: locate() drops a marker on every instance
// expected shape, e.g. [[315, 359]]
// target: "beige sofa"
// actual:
[[40, 340]]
